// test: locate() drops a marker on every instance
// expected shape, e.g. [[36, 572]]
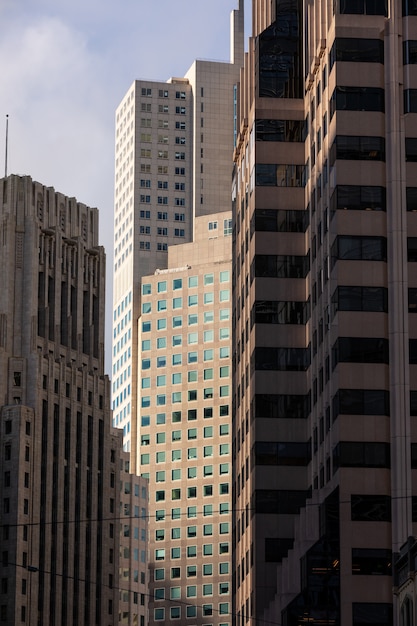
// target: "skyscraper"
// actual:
[[59, 455], [185, 410], [325, 337], [173, 146]]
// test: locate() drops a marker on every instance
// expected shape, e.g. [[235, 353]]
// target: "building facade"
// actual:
[[324, 332], [173, 146], [185, 425], [134, 548], [59, 459]]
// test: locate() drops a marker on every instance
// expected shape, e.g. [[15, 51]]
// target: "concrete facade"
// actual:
[[173, 146], [324, 302], [185, 424], [59, 461]]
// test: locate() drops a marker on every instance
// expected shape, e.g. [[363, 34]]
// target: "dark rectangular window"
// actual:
[[411, 149], [409, 7], [412, 300], [357, 99], [361, 454], [281, 359], [376, 613], [412, 347], [371, 562], [280, 266], [363, 7], [359, 248], [358, 198], [410, 100], [413, 403], [279, 221], [282, 453], [273, 312], [357, 148], [281, 406], [279, 501], [280, 54], [410, 52], [373, 299], [361, 402], [279, 130], [414, 456], [360, 350], [412, 249], [355, 50], [411, 196], [279, 175], [367, 508]]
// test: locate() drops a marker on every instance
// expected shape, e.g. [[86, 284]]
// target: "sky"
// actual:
[[65, 66]]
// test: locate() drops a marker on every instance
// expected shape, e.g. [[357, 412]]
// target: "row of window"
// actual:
[[146, 92], [191, 396], [161, 184], [192, 453], [176, 514], [177, 359], [192, 590], [175, 572], [190, 493], [146, 122], [177, 283], [208, 335], [146, 245], [191, 612], [177, 303], [177, 377], [191, 415], [147, 137], [192, 472], [147, 199], [192, 433]]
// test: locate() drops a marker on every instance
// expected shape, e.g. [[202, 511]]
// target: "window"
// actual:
[[360, 350], [159, 614], [354, 148], [176, 359], [357, 99], [371, 508]]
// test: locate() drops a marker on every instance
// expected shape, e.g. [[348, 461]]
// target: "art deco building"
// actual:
[[325, 384], [173, 145], [185, 424], [59, 461]]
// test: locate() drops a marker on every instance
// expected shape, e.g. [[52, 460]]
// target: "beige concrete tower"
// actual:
[[173, 147], [59, 456], [185, 424]]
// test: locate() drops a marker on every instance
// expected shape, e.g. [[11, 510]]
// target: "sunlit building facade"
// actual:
[[324, 301], [60, 457], [172, 163]]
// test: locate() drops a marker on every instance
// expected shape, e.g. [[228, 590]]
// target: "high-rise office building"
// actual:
[[324, 312], [185, 425], [60, 458], [173, 146]]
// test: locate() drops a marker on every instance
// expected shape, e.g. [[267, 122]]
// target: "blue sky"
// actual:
[[66, 64]]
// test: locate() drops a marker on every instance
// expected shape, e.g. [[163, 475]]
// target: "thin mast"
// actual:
[[7, 146]]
